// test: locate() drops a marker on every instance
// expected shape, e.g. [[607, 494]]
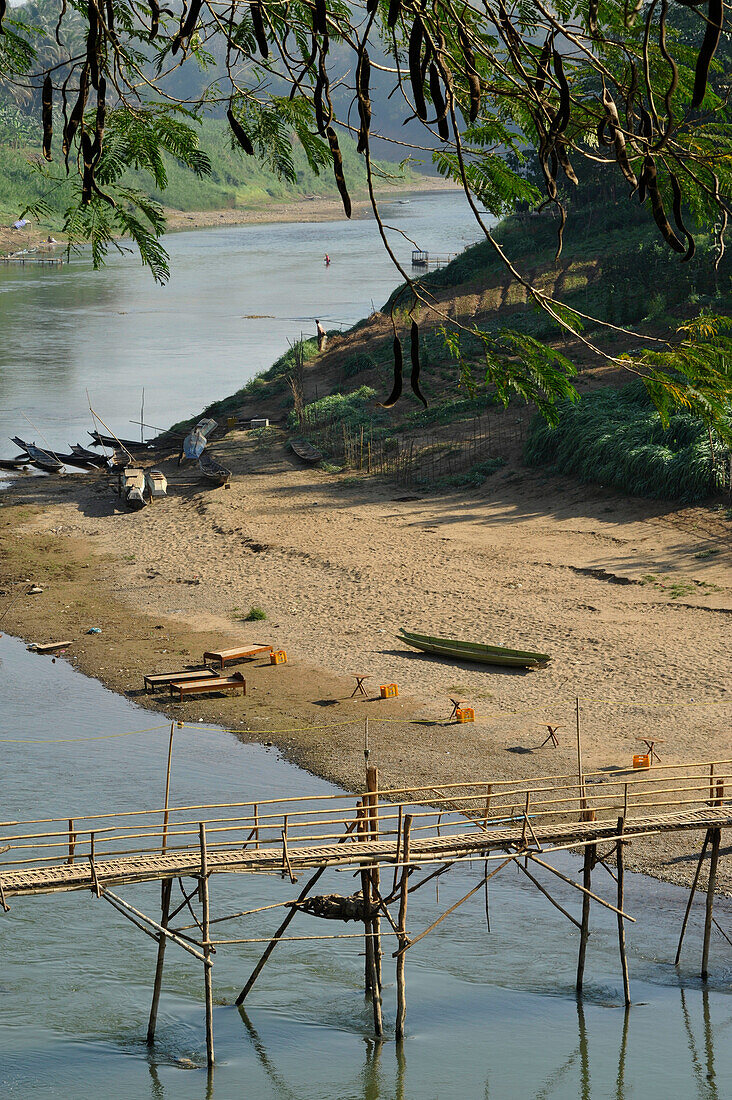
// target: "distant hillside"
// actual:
[[237, 181]]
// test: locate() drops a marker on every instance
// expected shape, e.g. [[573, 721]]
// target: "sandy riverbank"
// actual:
[[339, 563]]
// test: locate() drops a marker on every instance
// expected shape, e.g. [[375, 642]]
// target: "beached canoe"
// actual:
[[213, 470], [473, 651], [45, 460], [306, 451]]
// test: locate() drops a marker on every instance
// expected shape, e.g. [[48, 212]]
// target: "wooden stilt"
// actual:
[[372, 786], [585, 929], [715, 838], [621, 924], [165, 912], [694, 885], [402, 922], [208, 963]]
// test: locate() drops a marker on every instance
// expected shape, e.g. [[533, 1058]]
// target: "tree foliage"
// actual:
[[516, 100]]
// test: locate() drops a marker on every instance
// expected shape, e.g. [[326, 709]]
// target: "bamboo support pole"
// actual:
[[620, 862], [166, 813], [372, 786], [589, 847], [72, 841], [165, 913], [126, 909], [708, 916], [366, 899], [585, 929], [694, 885], [403, 941], [547, 895], [208, 962]]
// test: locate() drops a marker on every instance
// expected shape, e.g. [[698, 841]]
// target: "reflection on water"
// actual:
[[490, 1014]]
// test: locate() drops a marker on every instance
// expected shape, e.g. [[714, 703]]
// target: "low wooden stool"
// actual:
[[551, 736], [651, 746], [359, 688], [456, 705]]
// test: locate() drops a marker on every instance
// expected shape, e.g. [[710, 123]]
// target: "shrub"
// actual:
[[256, 615]]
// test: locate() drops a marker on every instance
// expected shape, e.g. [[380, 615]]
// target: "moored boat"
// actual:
[[133, 488], [45, 460], [473, 651], [101, 440]]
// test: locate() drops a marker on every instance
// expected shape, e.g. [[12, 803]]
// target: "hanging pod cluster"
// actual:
[[552, 130], [396, 392]]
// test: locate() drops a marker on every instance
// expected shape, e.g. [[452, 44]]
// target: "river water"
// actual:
[[490, 1015], [235, 297]]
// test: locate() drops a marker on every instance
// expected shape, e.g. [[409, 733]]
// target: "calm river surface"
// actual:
[[235, 298], [490, 1015]]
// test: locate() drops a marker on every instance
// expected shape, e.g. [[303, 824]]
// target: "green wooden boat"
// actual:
[[473, 651]]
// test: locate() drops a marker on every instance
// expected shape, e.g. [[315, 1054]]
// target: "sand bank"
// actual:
[[623, 594]]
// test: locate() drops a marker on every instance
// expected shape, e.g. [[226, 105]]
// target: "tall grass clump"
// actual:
[[616, 438], [354, 410]]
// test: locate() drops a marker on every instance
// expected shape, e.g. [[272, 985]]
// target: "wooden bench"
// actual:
[[163, 679], [233, 656], [218, 683]]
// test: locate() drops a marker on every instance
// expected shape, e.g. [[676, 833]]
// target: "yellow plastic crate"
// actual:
[[388, 691], [465, 714], [642, 760], [278, 657]]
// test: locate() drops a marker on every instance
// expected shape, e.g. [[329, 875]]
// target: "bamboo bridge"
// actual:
[[383, 834]]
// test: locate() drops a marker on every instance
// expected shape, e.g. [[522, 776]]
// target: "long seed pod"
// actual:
[[87, 182], [561, 150], [320, 17], [3, 8], [396, 392], [100, 119], [592, 8], [338, 169], [715, 19], [255, 9], [154, 18], [416, 366], [77, 112], [561, 119], [677, 200], [395, 10], [471, 74], [621, 152], [659, 214], [674, 70], [542, 65], [187, 25], [646, 124], [47, 116], [439, 103], [363, 75], [415, 76], [240, 133]]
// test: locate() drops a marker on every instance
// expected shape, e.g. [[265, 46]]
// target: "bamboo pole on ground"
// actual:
[[401, 958], [620, 863], [708, 916], [208, 963], [585, 929]]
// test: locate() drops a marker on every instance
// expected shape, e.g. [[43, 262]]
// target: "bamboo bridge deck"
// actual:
[[156, 865]]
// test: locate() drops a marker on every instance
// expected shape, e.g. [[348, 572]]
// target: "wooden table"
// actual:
[[163, 679], [211, 683], [233, 656]]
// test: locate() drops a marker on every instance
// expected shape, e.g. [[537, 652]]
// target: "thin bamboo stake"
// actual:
[[372, 786], [570, 881], [547, 895], [72, 841], [165, 912], [403, 941], [708, 916], [366, 899], [125, 908], [167, 787], [621, 926], [694, 884], [585, 929], [208, 963]]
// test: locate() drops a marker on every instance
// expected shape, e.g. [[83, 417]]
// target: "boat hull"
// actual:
[[473, 651]]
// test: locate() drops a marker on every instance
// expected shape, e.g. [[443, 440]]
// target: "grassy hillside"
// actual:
[[612, 265], [237, 181]]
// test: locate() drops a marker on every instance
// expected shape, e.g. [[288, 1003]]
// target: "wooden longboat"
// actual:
[[128, 444], [213, 470], [45, 460], [473, 651], [306, 451]]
